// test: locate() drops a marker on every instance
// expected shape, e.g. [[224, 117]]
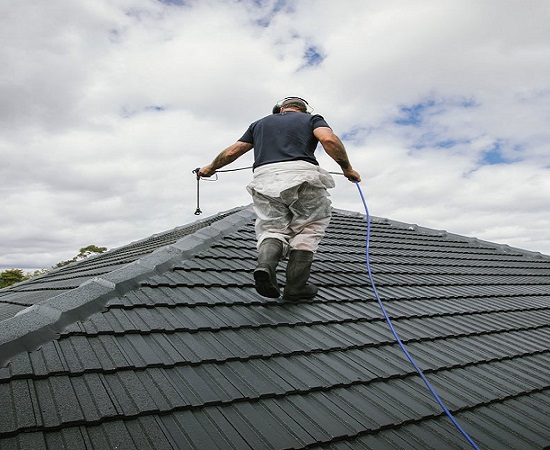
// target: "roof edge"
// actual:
[[42, 322], [504, 248]]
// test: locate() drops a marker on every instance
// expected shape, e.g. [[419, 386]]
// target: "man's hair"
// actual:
[[294, 102]]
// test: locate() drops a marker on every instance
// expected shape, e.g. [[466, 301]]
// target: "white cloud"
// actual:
[[107, 106]]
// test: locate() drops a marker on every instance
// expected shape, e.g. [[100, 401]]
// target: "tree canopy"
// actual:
[[83, 253], [12, 276]]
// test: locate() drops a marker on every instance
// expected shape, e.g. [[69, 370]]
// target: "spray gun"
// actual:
[[198, 210]]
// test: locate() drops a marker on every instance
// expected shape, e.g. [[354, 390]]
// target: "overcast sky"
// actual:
[[108, 105]]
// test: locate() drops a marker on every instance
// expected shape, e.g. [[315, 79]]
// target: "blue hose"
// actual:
[[388, 320]]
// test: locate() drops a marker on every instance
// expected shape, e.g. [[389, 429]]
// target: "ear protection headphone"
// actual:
[[278, 105]]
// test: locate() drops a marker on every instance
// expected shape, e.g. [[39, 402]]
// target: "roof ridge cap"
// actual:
[[69, 268], [42, 322]]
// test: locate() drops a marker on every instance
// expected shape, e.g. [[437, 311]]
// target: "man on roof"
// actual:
[[289, 192]]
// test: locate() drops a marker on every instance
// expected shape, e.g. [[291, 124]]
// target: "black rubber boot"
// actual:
[[297, 274], [265, 278]]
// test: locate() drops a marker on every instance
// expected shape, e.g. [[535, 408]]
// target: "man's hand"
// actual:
[[352, 175], [336, 150], [206, 171]]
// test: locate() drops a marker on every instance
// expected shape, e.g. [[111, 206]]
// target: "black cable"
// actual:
[[196, 171], [250, 167]]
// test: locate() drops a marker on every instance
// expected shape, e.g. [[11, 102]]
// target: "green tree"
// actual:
[[83, 253], [37, 273], [12, 276], [90, 250]]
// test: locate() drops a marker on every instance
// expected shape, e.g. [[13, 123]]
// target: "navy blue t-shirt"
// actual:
[[284, 137]]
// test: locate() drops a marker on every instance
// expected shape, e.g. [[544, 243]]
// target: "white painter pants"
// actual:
[[292, 203]]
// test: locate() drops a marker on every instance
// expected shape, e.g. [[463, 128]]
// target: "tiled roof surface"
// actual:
[[70, 277], [175, 350]]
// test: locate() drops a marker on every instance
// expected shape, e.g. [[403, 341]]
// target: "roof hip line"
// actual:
[[42, 322]]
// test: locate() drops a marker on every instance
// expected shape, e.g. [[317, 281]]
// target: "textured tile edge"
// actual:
[[503, 248], [42, 322]]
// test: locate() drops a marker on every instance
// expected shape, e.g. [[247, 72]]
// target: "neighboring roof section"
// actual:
[[22, 295], [176, 349]]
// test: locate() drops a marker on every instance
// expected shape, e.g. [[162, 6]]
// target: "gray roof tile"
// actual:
[[173, 348]]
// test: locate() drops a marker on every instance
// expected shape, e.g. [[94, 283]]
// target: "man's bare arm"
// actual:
[[336, 150], [225, 157]]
